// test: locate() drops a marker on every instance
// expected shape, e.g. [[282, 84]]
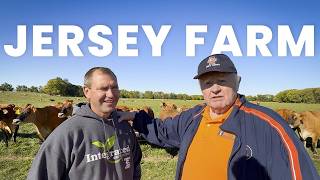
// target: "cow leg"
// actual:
[[314, 145], [5, 137], [40, 136], [16, 128]]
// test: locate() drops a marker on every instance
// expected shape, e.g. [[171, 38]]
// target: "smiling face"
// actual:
[[219, 90], [103, 93]]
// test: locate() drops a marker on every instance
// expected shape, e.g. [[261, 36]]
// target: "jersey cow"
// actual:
[[46, 119]]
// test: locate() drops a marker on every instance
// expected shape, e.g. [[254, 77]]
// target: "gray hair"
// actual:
[[88, 75]]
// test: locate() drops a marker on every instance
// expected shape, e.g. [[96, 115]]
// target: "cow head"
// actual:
[[7, 111], [288, 115], [297, 120], [169, 106], [169, 110], [27, 115], [66, 109]]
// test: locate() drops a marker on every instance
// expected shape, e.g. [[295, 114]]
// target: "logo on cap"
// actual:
[[212, 62]]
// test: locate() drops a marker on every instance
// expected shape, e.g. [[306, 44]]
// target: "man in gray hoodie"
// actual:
[[92, 144]]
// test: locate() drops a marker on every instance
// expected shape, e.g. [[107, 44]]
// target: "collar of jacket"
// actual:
[[232, 123]]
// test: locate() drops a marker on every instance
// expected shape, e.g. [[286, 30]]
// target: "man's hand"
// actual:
[[126, 116]]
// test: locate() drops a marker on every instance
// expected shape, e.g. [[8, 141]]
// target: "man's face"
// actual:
[[219, 90], [103, 95]]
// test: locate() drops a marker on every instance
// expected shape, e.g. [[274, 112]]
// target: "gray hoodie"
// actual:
[[88, 147]]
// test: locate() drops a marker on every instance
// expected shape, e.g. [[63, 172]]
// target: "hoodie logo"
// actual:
[[107, 145], [110, 153]]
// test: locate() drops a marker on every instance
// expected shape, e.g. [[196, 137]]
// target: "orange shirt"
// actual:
[[209, 152]]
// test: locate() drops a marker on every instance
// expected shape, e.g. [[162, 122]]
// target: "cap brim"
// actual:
[[199, 75]]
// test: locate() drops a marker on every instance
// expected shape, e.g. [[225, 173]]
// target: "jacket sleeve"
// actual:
[[164, 133], [47, 165], [308, 169]]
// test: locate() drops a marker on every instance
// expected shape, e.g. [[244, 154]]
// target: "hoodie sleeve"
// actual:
[[47, 165]]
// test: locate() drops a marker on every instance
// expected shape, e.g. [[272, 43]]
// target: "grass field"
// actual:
[[15, 160]]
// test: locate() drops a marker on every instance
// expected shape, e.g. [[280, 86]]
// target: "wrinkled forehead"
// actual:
[[97, 76]]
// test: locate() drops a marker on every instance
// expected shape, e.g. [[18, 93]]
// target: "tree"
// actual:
[[22, 88], [6, 87], [294, 96], [56, 86], [33, 89], [148, 95], [282, 96]]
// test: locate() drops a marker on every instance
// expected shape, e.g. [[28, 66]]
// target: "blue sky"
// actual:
[[173, 71]]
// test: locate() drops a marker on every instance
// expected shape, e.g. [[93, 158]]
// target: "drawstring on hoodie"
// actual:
[[105, 133]]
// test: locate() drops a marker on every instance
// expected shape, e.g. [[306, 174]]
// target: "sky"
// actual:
[[173, 71]]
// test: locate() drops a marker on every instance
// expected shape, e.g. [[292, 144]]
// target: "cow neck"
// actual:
[[36, 120]]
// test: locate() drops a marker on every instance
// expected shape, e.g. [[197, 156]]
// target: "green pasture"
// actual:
[[16, 160]]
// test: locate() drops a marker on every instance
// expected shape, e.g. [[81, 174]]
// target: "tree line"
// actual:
[[63, 87], [309, 95]]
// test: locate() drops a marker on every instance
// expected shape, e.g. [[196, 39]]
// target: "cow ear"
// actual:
[[174, 106], [33, 108], [17, 110], [11, 105]]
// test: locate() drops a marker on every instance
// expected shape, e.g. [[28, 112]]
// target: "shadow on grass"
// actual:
[[27, 135], [172, 151]]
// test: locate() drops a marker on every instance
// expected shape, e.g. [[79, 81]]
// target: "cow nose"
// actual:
[[16, 121], [61, 115]]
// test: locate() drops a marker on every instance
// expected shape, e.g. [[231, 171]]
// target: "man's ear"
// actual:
[[85, 90]]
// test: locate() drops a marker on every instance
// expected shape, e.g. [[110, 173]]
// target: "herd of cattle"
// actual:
[[46, 119]]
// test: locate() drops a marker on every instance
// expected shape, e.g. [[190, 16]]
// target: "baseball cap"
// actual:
[[215, 63]]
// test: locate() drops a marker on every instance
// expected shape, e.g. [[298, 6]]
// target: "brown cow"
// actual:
[[123, 108], [288, 115], [4, 128], [7, 114], [170, 110], [46, 119], [66, 108], [309, 124]]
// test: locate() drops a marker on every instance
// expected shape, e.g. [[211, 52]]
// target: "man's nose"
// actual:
[[215, 88], [109, 93]]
